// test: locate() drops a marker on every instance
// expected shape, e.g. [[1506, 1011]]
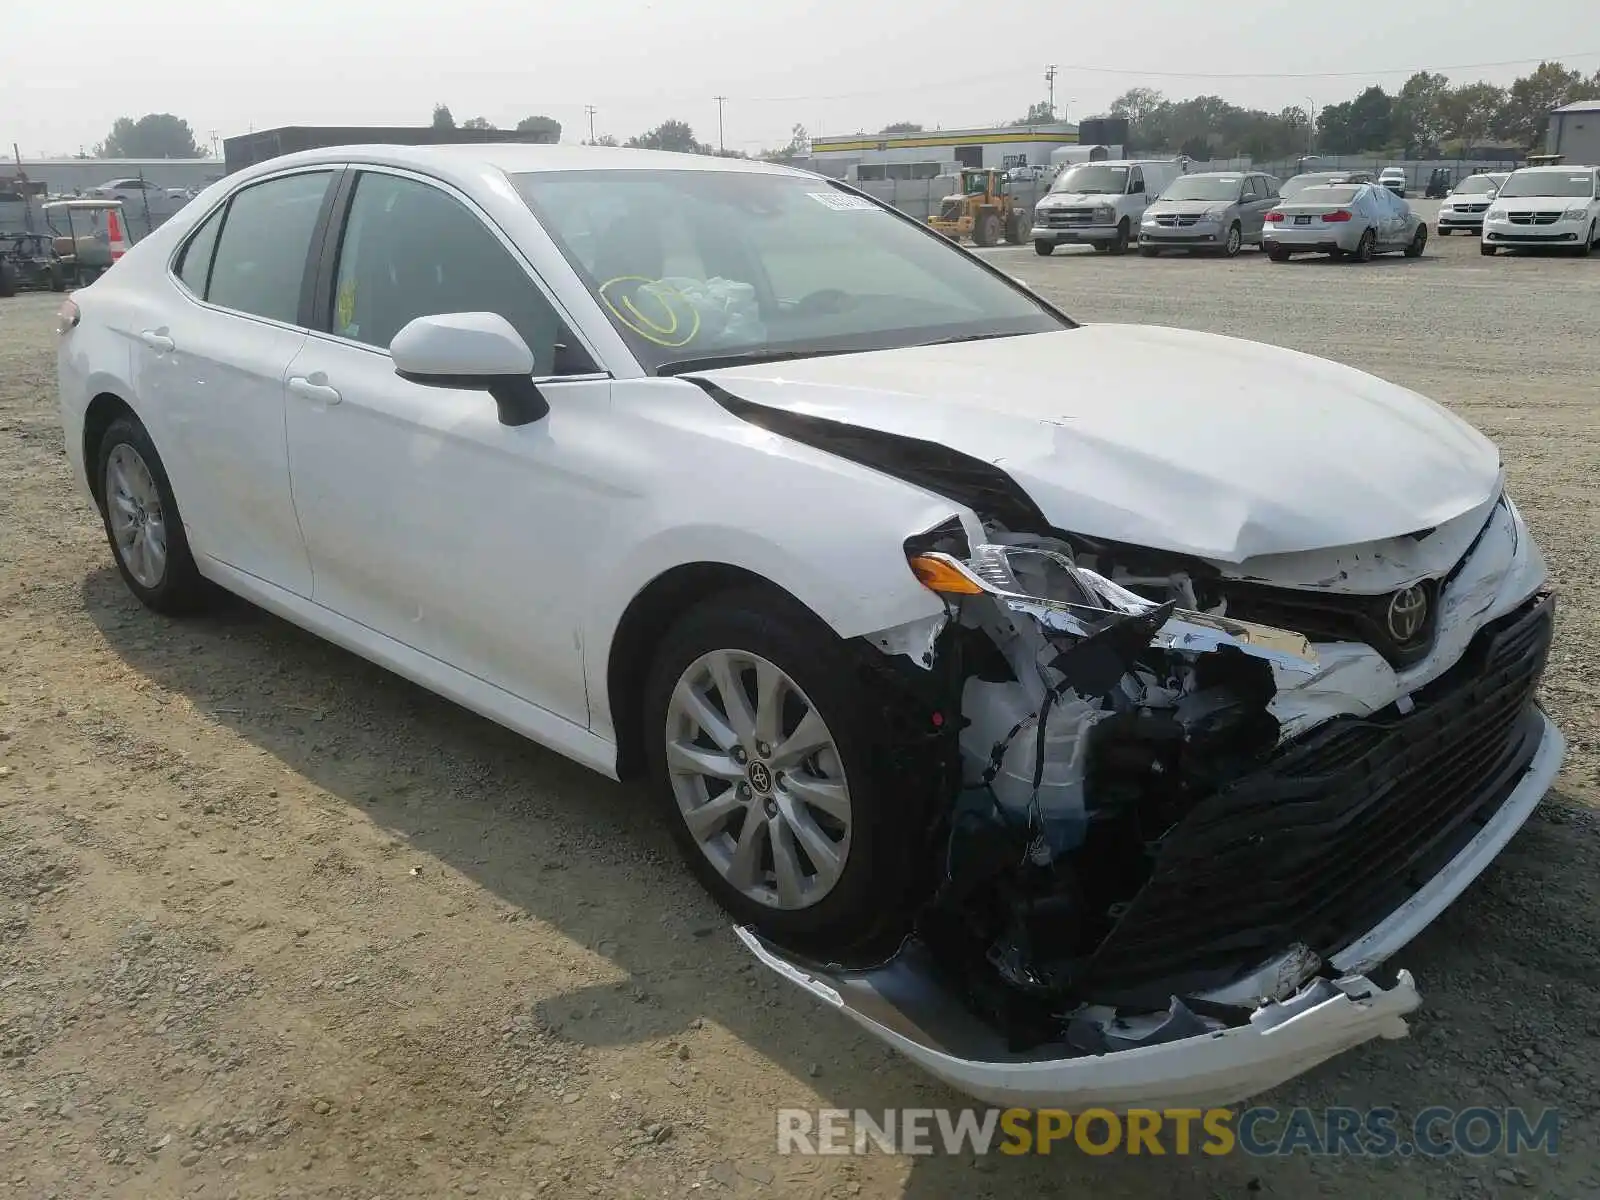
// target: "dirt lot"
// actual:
[[274, 923]]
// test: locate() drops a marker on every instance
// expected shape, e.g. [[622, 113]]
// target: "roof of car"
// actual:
[[1554, 169], [517, 157]]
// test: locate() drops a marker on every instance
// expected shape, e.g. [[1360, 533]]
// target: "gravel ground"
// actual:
[[275, 923]]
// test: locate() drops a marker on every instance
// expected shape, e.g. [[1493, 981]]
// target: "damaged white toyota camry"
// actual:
[[1089, 712]]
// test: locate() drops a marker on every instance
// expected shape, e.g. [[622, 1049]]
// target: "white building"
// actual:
[[930, 153], [1574, 131]]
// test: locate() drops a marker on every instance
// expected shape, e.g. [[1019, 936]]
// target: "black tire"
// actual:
[[1419, 243], [1120, 246], [1017, 228], [869, 909], [1148, 251], [1366, 248], [8, 282], [58, 278], [1277, 254], [1043, 248], [986, 230], [181, 589], [1445, 231], [1235, 242], [1588, 242], [1487, 250]]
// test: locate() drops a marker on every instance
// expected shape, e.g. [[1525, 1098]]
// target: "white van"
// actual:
[[1100, 203]]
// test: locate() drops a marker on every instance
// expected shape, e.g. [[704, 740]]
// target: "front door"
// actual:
[[426, 519]]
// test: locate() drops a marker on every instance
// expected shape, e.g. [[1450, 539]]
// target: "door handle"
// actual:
[[307, 390], [157, 340]]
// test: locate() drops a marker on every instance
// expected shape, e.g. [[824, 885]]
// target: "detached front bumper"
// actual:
[[907, 1003]]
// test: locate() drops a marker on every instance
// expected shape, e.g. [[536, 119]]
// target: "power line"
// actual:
[[946, 84]]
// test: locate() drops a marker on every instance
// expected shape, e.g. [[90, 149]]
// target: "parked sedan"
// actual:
[[903, 591], [1214, 211], [1296, 184], [1355, 221], [1464, 207]]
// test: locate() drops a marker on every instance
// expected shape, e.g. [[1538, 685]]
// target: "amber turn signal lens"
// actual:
[[939, 576]]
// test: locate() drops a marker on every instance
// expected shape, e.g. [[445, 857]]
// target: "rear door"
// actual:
[[211, 361]]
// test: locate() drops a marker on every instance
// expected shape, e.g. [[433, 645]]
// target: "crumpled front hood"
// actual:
[[1203, 445]]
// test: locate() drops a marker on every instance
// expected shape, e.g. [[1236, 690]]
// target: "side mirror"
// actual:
[[472, 351]]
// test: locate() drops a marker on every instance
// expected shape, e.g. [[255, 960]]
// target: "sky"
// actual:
[[833, 66]]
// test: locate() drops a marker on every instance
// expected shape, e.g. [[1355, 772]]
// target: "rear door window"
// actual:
[[194, 266], [260, 260]]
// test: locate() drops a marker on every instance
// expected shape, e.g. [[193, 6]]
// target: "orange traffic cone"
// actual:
[[119, 244]]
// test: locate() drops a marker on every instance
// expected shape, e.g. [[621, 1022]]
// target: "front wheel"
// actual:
[[1148, 251], [143, 524], [1043, 248], [1444, 231], [1120, 246], [1588, 242], [1485, 249], [1230, 248], [764, 748]]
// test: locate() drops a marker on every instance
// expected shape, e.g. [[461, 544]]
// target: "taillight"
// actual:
[[1340, 214], [1275, 217], [66, 317]]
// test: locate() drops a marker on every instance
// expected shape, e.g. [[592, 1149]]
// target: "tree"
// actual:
[[669, 135], [442, 118], [154, 135], [1039, 113], [902, 127], [1137, 104], [540, 129], [799, 146], [1469, 112], [1419, 110], [1528, 104], [1365, 123], [477, 123]]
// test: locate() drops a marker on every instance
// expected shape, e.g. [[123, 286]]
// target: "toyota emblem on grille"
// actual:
[[1408, 613]]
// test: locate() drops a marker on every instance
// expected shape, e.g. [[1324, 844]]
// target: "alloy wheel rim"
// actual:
[[135, 514], [758, 779]]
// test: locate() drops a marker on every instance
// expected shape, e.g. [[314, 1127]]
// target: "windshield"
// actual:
[[692, 265], [1093, 179], [1548, 183], [1327, 195], [1203, 187], [1475, 185]]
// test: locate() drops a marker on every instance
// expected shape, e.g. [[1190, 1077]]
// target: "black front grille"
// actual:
[[1338, 829], [1334, 617]]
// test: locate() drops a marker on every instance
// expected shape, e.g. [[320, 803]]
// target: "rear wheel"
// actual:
[[1277, 254], [143, 524], [1419, 243], [762, 747], [1366, 247], [1044, 249]]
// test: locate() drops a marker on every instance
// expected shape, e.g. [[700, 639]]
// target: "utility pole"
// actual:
[[1050, 81], [589, 110], [721, 100], [214, 152]]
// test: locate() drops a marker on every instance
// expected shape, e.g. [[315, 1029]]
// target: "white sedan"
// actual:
[[1119, 699], [1354, 221]]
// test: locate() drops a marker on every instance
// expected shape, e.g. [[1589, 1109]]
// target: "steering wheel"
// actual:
[[824, 302]]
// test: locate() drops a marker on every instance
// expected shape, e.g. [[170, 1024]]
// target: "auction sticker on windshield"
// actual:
[[843, 202]]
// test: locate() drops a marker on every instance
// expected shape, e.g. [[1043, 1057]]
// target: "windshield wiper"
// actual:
[[741, 358], [969, 337]]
